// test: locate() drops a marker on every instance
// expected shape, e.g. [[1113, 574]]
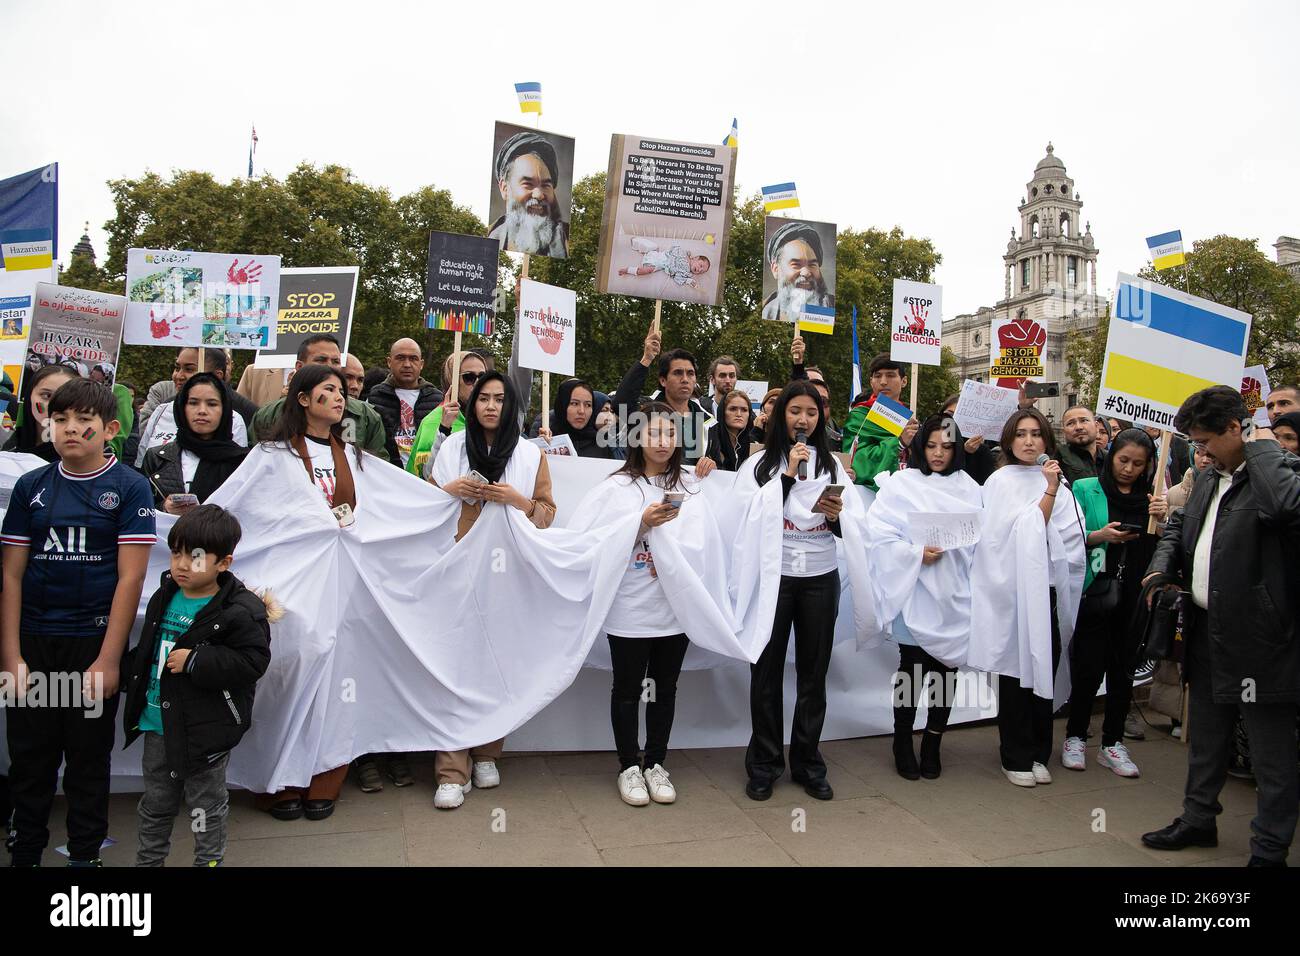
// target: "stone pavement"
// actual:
[[564, 809]]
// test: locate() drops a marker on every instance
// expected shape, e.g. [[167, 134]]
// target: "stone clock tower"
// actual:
[[1049, 278]]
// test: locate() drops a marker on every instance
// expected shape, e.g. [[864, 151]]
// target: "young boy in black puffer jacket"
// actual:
[[205, 643]]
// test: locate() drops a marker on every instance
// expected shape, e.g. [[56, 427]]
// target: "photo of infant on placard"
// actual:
[[667, 217]]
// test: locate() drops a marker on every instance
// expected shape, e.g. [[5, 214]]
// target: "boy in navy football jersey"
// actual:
[[76, 547]]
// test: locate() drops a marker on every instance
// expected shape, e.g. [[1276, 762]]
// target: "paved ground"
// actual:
[[564, 809]]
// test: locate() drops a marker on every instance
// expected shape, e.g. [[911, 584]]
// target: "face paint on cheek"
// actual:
[[88, 434]]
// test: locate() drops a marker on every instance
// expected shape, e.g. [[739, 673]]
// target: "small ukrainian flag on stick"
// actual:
[[780, 196], [530, 97], [732, 138], [1166, 250]]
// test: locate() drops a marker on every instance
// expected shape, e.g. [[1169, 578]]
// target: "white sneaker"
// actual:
[[1041, 774], [632, 788], [1118, 760], [660, 787], [450, 795], [1021, 778], [1072, 754], [485, 775]]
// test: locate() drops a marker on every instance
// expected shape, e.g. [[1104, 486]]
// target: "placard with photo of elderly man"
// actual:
[[532, 191], [798, 266]]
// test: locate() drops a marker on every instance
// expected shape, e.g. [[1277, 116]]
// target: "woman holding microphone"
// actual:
[[1026, 579], [795, 510]]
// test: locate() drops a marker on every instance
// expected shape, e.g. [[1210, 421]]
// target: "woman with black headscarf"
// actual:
[[574, 415], [483, 465], [730, 438], [204, 453], [1119, 500], [1287, 432], [922, 593]]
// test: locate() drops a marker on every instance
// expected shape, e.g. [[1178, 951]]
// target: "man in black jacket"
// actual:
[[1078, 454], [1235, 547], [404, 398]]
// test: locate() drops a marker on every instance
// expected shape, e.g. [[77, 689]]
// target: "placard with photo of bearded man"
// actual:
[[798, 267], [532, 191]]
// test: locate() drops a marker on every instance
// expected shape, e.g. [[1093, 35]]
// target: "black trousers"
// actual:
[[1211, 742], [1025, 719], [644, 667], [42, 738], [915, 668], [1101, 649], [811, 606]]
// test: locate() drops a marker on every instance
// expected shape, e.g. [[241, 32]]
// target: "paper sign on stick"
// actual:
[[916, 325], [547, 317], [818, 318], [984, 409]]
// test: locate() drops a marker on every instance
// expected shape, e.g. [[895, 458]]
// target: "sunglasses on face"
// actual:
[[469, 378]]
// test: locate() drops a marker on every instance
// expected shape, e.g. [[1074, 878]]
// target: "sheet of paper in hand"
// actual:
[[558, 445], [948, 531]]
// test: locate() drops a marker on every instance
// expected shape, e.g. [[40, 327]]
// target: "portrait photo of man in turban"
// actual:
[[530, 198], [798, 272]]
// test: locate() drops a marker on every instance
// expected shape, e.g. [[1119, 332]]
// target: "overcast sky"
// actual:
[[927, 116]]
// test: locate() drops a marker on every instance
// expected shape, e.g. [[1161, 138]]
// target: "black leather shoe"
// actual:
[[905, 757], [1260, 861], [318, 809], [1178, 835], [287, 809], [758, 789], [818, 789]]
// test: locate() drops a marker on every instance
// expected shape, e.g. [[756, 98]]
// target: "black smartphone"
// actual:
[[1042, 389], [1131, 528]]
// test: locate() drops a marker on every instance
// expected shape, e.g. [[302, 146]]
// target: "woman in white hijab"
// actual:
[[1025, 586], [922, 593]]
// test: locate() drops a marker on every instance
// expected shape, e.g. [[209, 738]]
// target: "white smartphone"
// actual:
[[475, 476]]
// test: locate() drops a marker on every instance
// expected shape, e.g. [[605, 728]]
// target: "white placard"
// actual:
[[561, 445], [548, 327], [193, 299], [1255, 390], [984, 409], [754, 391], [915, 327], [947, 531]]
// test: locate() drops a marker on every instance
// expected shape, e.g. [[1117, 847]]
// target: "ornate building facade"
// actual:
[[1050, 278]]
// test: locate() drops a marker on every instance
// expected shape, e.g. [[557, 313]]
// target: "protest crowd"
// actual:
[[304, 577]]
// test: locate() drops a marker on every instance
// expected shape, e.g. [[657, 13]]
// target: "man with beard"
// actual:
[[526, 169], [794, 254], [1079, 456]]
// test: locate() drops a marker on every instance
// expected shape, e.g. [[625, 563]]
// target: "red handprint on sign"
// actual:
[[1020, 334], [916, 324], [250, 272], [551, 337], [159, 328]]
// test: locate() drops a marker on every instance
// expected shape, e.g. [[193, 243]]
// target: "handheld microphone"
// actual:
[[1044, 459], [801, 438]]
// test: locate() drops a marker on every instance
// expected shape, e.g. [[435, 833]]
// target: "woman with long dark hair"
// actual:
[[647, 640], [923, 593], [487, 464], [1120, 500], [1025, 585], [204, 453], [796, 455], [310, 428], [730, 438], [38, 387]]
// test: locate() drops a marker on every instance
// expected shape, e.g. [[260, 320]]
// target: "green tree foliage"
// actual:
[[319, 216], [1230, 271]]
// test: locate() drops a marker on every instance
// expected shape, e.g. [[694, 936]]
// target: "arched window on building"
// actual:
[[1033, 227], [1065, 225]]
